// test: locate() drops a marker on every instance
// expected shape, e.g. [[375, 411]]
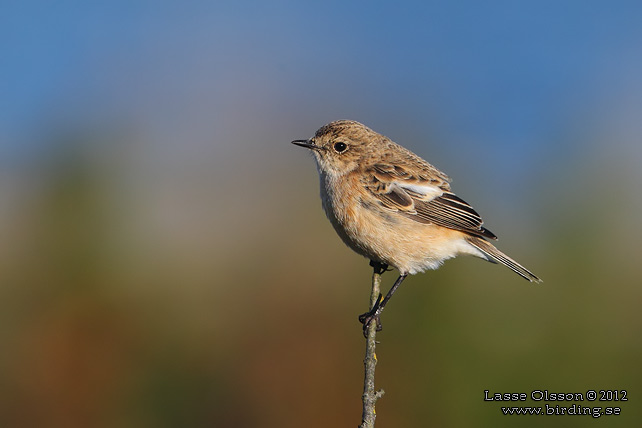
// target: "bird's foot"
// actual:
[[379, 268], [370, 316]]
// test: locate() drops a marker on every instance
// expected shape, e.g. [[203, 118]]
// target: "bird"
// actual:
[[393, 207]]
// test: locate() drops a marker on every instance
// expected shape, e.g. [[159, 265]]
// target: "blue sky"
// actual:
[[505, 74]]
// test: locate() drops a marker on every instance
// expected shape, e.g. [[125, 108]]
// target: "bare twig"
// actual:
[[370, 396]]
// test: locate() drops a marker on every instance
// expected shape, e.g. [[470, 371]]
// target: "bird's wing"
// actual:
[[425, 199]]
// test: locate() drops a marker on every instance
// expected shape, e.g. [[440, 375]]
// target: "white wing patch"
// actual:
[[425, 192]]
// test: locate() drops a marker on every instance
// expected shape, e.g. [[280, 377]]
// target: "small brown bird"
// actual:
[[391, 206]]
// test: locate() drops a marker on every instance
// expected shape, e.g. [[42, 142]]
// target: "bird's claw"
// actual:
[[379, 268], [372, 315], [366, 320]]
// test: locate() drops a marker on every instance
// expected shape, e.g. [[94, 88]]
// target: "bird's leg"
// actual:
[[375, 312]]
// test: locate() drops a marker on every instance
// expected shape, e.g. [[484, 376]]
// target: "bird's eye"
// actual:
[[340, 147]]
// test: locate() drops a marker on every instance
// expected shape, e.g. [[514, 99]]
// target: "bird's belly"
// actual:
[[389, 237]]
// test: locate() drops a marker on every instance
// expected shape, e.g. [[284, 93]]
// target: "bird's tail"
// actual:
[[494, 255]]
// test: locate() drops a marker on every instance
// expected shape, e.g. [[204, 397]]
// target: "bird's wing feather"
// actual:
[[425, 200]]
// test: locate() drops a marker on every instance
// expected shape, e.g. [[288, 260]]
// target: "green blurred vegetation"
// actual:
[[138, 296]]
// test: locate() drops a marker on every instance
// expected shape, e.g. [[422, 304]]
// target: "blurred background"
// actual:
[[164, 258]]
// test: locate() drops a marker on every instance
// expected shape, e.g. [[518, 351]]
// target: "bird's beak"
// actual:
[[306, 143]]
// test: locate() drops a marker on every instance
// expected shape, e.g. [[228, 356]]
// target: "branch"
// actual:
[[369, 396]]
